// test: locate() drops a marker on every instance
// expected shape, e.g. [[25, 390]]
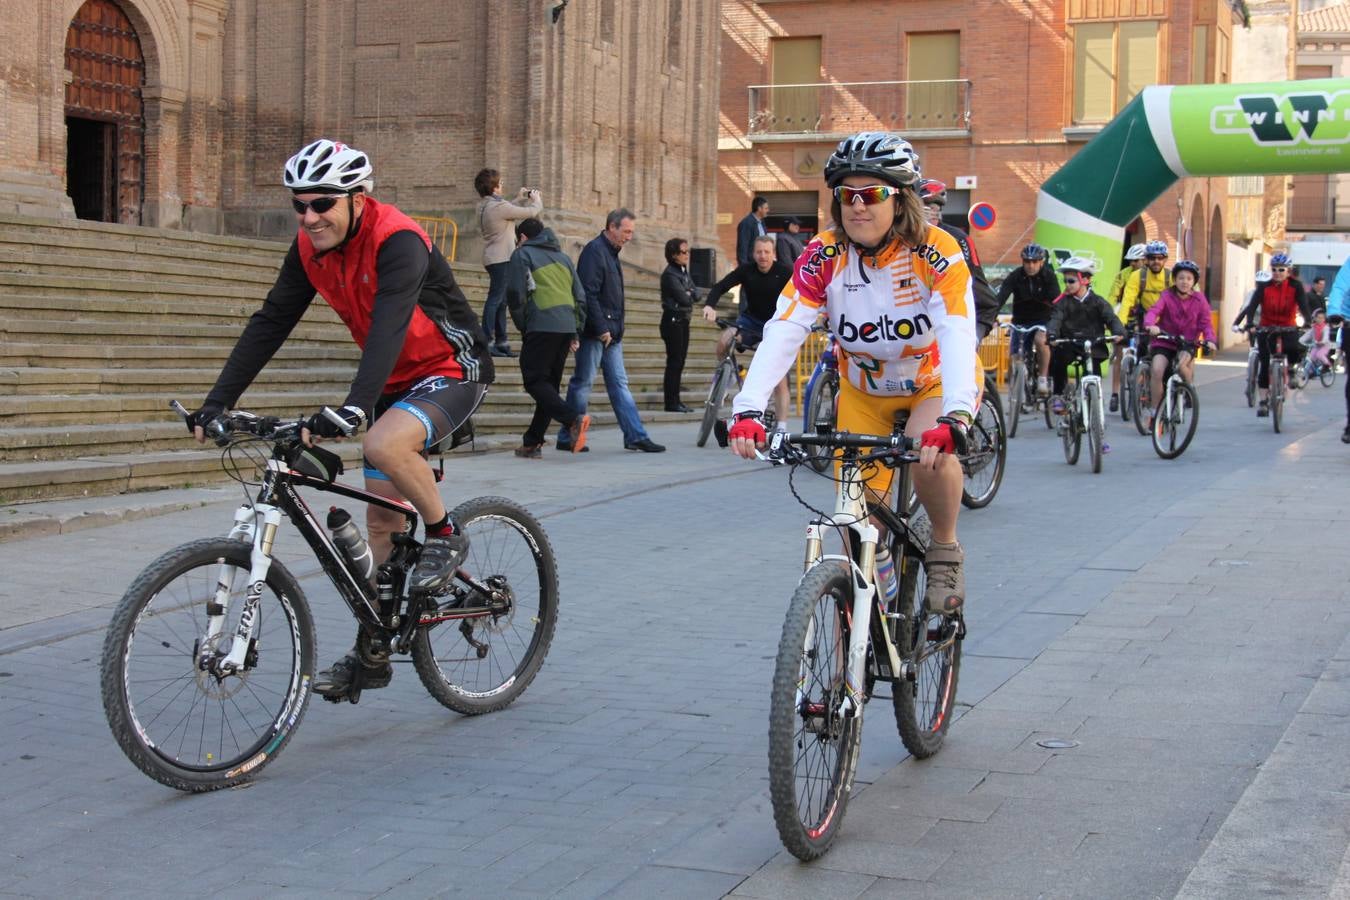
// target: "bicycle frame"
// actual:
[[278, 497], [853, 515]]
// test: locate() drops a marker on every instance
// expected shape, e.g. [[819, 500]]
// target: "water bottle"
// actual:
[[886, 582], [350, 542]]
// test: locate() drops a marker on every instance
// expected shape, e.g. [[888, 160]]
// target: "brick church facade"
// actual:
[[180, 113]]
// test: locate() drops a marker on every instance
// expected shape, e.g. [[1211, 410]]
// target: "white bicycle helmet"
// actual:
[[328, 167], [1079, 264], [1136, 251], [880, 153]]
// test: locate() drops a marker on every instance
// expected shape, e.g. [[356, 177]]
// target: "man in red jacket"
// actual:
[[424, 366]]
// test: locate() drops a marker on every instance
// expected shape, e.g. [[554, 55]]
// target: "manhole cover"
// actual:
[[1057, 744]]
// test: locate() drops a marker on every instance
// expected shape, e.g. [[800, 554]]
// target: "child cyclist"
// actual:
[[1184, 311], [898, 296], [1082, 314]]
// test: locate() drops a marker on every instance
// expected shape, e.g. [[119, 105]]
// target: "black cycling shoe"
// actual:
[[1115, 403], [441, 556], [1263, 409], [346, 678], [1345, 435]]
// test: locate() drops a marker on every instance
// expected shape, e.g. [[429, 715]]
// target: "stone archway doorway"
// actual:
[[105, 115]]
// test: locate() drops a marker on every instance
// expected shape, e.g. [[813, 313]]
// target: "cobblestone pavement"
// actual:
[[1181, 620]]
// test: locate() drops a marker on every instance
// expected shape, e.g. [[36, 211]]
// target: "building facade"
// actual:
[[1319, 205], [180, 113], [995, 98]]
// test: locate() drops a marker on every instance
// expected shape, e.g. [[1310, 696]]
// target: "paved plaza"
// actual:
[[1186, 623]]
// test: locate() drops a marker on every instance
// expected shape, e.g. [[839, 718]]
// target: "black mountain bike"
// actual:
[[983, 464], [208, 663]]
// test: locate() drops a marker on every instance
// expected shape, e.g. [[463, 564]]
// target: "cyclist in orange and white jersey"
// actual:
[[897, 294]]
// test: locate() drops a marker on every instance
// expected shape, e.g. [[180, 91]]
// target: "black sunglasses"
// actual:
[[320, 205]]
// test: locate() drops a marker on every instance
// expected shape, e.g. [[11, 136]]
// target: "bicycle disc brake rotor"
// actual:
[[213, 686]]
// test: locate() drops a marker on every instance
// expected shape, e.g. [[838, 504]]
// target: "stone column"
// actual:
[[163, 204]]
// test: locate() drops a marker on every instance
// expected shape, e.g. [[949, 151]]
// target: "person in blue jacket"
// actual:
[[1338, 310]]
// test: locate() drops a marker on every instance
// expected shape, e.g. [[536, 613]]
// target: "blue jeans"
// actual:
[[593, 355], [494, 310]]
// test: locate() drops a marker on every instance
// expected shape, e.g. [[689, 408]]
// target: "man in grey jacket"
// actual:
[[549, 308]]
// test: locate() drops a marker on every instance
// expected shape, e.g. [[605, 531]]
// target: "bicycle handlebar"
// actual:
[[786, 447], [223, 429]]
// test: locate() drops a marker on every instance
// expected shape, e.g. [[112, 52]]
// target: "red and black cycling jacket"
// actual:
[[1280, 303]]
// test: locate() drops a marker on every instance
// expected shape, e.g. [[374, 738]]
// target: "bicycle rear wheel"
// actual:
[[1096, 426], [712, 407], [1327, 375], [925, 696], [181, 725], [481, 665], [813, 748], [983, 465], [820, 415], [1071, 431]]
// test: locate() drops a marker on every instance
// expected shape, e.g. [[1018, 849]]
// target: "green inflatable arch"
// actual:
[[1169, 132]]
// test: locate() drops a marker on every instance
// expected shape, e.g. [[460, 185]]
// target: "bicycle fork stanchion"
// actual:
[[243, 529], [260, 561]]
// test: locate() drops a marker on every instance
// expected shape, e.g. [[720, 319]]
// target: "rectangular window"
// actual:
[[794, 61], [933, 57], [1223, 59], [1200, 55], [1246, 185], [1113, 61]]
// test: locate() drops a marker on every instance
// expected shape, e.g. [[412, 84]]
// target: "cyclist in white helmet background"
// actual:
[[1134, 258], [1080, 314], [897, 293], [424, 366]]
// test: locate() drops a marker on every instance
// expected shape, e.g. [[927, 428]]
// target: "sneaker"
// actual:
[[334, 682], [578, 430], [530, 451], [945, 593], [566, 447], [646, 445], [1345, 435], [1263, 409], [441, 556], [1057, 405], [503, 351], [1106, 448], [1043, 385], [1114, 405]]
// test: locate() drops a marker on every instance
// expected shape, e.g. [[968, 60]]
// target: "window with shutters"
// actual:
[[1113, 61]]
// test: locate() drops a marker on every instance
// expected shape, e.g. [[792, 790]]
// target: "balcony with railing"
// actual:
[[1313, 207], [833, 111]]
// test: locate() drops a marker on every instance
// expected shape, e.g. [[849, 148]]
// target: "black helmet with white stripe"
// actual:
[[879, 153]]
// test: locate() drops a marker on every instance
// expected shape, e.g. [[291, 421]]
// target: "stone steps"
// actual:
[[103, 324]]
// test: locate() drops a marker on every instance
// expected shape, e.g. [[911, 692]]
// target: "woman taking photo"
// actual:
[[678, 295]]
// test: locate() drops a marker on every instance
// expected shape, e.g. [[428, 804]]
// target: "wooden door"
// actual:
[[105, 165]]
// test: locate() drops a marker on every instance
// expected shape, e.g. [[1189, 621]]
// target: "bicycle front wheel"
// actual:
[[1017, 395], [173, 713], [1096, 426], [925, 696], [1174, 428], [983, 465], [712, 407], [481, 665], [1143, 401], [820, 416], [1277, 395], [813, 747]]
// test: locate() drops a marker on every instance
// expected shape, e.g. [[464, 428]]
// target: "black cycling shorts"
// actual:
[[441, 403]]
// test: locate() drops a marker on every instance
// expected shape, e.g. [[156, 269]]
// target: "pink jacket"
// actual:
[[1188, 318]]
